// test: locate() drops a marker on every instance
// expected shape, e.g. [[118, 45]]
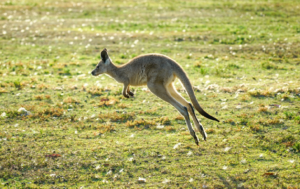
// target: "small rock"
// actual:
[[176, 146], [3, 114], [142, 180]]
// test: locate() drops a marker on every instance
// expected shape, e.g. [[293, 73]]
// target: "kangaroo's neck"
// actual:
[[115, 72]]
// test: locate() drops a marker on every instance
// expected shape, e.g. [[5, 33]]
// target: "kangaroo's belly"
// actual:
[[139, 80]]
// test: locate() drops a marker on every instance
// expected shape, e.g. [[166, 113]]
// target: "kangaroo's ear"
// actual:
[[104, 55]]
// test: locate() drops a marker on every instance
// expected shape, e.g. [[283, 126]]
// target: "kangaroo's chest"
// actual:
[[139, 77]]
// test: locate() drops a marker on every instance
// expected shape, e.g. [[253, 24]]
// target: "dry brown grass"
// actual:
[[198, 64], [261, 93], [226, 89], [46, 113], [238, 88], [229, 121], [123, 106], [107, 127], [170, 128], [107, 101], [2, 90], [152, 111], [179, 117], [245, 115], [210, 130], [39, 97], [70, 100], [97, 91], [164, 120], [4, 85], [42, 86], [255, 127], [274, 121], [245, 98], [48, 97], [262, 109]]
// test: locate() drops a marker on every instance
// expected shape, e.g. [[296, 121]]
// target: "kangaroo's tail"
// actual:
[[188, 87]]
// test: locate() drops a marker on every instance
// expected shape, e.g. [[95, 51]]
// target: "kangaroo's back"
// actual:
[[149, 66]]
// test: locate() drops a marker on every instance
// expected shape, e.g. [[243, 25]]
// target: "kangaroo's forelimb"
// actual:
[[129, 92], [125, 88]]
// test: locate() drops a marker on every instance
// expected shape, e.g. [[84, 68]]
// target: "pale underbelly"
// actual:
[[139, 81]]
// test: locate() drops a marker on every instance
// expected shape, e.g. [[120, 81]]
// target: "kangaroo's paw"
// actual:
[[203, 133], [125, 95], [131, 93], [196, 140]]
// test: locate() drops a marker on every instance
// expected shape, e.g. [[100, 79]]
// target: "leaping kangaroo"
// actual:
[[158, 72]]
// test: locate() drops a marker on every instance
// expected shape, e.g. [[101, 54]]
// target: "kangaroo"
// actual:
[[158, 72]]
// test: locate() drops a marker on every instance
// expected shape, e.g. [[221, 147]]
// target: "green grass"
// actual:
[[62, 127]]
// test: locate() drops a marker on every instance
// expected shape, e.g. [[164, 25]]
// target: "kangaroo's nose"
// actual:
[[92, 72]]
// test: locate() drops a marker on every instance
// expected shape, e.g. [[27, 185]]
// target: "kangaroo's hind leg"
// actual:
[[189, 106], [161, 91]]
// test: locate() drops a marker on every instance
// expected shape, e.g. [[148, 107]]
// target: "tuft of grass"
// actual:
[[226, 89], [54, 112], [245, 98], [274, 121], [263, 109], [42, 86], [141, 122], [3, 90], [284, 97], [12, 113], [164, 120], [289, 115], [269, 65], [170, 128], [287, 138], [105, 102], [48, 97], [96, 91], [71, 100], [152, 111], [198, 64], [18, 85], [233, 66], [204, 71], [39, 97], [179, 117], [210, 131], [245, 115], [260, 93], [122, 105], [107, 127], [255, 127], [297, 119], [296, 147], [118, 117]]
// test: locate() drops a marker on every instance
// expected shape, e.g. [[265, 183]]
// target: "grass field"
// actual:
[[62, 127]]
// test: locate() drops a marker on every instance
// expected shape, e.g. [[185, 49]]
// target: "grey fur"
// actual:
[[158, 72]]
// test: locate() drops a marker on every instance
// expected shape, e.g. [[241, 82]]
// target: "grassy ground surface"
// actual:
[[60, 126]]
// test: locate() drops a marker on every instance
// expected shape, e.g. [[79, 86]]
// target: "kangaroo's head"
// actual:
[[103, 65]]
